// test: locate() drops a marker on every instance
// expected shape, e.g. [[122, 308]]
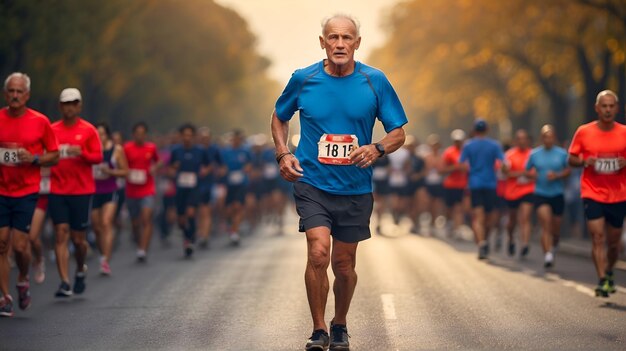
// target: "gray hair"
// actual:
[[21, 75], [604, 93], [352, 19]]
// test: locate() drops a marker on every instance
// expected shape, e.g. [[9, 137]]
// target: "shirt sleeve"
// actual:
[[287, 103], [530, 163], [390, 111], [576, 147], [173, 157], [50, 143], [92, 153], [155, 154], [463, 157]]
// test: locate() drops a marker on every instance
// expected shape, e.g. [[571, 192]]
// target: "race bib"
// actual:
[[9, 157], [236, 177], [137, 176], [187, 180], [606, 165], [98, 173], [335, 149], [64, 151], [433, 177], [380, 173], [44, 186], [270, 171], [398, 179]]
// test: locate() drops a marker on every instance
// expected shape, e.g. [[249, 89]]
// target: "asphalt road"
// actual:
[[414, 293]]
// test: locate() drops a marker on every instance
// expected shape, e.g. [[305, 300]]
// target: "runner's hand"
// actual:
[[24, 156], [551, 175], [590, 161], [74, 151], [621, 162], [290, 168], [364, 156]]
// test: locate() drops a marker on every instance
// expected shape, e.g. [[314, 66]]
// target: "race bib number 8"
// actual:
[[8, 157], [606, 165], [335, 149], [187, 180], [137, 177]]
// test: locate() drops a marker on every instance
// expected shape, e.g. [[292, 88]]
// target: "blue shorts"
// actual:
[[17, 212], [186, 198]]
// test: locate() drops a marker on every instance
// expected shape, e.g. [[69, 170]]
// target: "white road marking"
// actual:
[[389, 308]]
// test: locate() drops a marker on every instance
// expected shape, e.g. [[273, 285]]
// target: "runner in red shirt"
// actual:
[[72, 187], [24, 136], [143, 162], [600, 147], [455, 181], [519, 192]]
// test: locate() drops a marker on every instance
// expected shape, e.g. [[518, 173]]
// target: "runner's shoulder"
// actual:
[[302, 74]]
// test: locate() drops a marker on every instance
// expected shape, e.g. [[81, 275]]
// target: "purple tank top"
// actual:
[[105, 184]]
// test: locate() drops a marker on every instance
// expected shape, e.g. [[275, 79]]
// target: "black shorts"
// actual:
[[452, 197], [347, 216], [236, 194], [381, 187], [71, 209], [514, 204], [185, 198], [100, 199], [485, 198], [435, 190], [613, 213], [17, 212], [403, 191], [557, 203], [206, 194]]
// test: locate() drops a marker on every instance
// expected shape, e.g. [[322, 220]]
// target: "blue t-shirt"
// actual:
[[338, 105], [481, 154], [190, 160], [270, 167], [215, 160], [236, 160], [548, 160]]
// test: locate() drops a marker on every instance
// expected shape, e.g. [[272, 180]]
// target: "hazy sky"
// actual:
[[287, 30]]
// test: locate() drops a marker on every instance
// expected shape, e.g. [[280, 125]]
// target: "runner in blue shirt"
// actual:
[[338, 100], [188, 163], [238, 161], [207, 184], [549, 163], [481, 154]]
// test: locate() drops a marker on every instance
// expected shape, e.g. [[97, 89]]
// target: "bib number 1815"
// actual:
[[335, 149]]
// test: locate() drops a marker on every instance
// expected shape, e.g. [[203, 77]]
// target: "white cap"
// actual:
[[457, 135], [69, 95]]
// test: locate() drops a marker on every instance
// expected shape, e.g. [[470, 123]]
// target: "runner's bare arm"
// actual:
[[121, 170], [577, 161], [366, 155], [46, 160], [290, 168]]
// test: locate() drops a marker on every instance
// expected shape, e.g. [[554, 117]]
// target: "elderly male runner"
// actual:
[[339, 101], [26, 142], [600, 147]]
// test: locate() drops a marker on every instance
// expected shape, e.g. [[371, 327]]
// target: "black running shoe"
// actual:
[[318, 341], [511, 249], [339, 337], [188, 252], [610, 278], [525, 251], [483, 252], [79, 283], [65, 290]]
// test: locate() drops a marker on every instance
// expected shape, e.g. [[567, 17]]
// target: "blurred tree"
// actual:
[[501, 60], [163, 61]]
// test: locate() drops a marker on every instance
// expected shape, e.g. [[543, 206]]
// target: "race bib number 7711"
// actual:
[[335, 149]]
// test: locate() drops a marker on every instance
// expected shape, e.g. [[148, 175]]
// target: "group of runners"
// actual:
[[85, 171], [81, 176]]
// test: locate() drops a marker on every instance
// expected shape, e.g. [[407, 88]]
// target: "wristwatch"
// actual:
[[35, 160], [380, 148]]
